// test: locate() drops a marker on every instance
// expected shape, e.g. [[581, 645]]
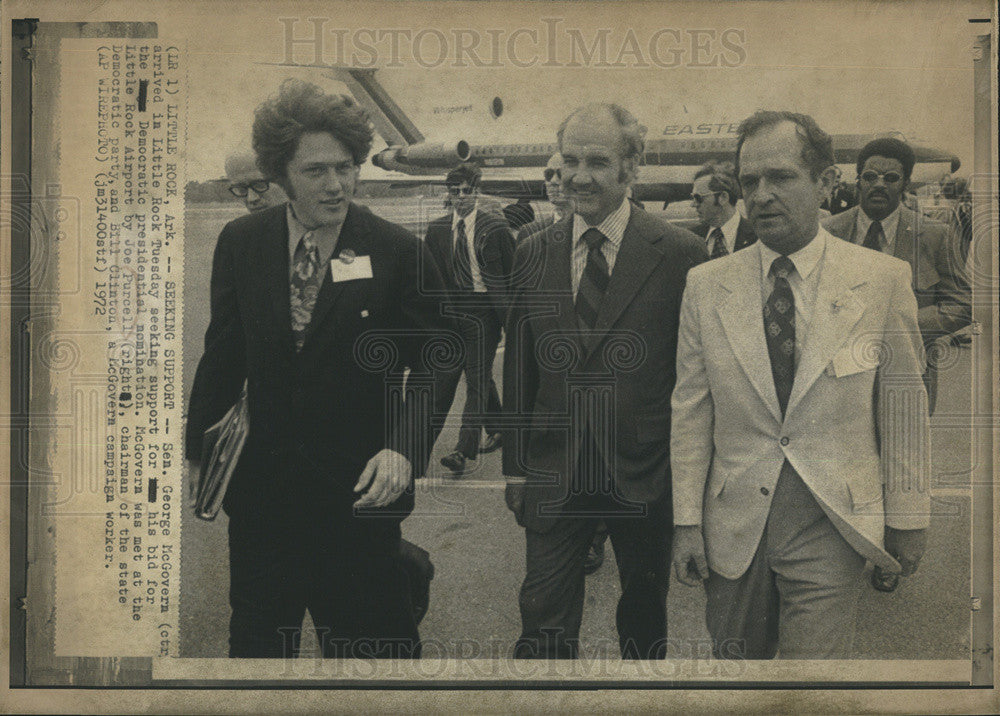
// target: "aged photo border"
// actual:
[[126, 671]]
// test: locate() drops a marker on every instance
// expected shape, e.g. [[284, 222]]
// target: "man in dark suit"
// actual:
[[883, 223], [318, 305], [474, 250], [714, 196], [588, 370]]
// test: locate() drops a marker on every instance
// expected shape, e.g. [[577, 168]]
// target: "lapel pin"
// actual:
[[364, 313], [347, 256]]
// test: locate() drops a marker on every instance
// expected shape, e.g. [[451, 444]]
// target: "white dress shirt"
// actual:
[[803, 281], [478, 286], [729, 230]]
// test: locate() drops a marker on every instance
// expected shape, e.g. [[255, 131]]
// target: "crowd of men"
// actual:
[[747, 401]]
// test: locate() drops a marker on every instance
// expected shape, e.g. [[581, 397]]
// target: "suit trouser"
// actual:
[[357, 592], [480, 329], [552, 594], [798, 599]]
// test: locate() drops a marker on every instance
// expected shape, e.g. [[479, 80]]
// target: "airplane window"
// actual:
[[496, 107]]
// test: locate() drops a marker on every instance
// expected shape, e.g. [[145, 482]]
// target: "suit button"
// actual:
[[764, 491], [784, 441]]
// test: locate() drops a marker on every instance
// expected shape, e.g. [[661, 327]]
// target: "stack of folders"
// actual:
[[220, 451]]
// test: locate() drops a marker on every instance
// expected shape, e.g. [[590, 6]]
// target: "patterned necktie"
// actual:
[[305, 286], [718, 243], [873, 239], [593, 281], [779, 329], [461, 265]]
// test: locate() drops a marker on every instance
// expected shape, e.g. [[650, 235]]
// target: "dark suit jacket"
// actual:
[[940, 280], [632, 353], [533, 227], [316, 416], [494, 247], [744, 234]]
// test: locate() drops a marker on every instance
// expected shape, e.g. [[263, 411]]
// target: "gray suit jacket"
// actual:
[[940, 278]]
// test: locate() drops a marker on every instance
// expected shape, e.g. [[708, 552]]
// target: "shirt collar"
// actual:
[[613, 226], [805, 259], [889, 224], [728, 229], [323, 237]]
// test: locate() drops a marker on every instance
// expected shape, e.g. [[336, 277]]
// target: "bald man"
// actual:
[[248, 183]]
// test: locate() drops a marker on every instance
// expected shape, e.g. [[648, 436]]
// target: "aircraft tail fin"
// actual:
[[388, 117]]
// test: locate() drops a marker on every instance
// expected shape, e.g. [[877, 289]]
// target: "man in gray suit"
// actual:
[[588, 370], [883, 223]]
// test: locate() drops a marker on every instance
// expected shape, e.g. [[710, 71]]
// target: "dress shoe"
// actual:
[[492, 442], [595, 558], [884, 581], [454, 461]]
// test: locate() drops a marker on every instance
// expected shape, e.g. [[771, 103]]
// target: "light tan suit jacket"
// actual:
[[855, 428]]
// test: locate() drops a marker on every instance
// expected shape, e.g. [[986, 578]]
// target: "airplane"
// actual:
[[514, 170]]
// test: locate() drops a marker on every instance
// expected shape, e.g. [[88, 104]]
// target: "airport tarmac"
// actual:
[[478, 549]]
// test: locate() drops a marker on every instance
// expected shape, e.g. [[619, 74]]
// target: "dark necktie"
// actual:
[[304, 286], [779, 329], [461, 265], [873, 239], [718, 243], [593, 281]]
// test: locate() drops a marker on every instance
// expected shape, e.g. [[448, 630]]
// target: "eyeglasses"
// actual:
[[242, 188], [871, 176], [698, 198], [550, 173], [465, 189]]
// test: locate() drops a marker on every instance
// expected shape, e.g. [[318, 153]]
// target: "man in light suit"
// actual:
[[588, 370], [799, 440], [474, 251], [714, 195], [933, 251], [319, 306]]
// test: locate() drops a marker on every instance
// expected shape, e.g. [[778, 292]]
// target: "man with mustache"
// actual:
[[588, 370], [883, 223], [799, 437]]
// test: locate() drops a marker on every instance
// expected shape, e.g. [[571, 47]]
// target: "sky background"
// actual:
[[857, 67]]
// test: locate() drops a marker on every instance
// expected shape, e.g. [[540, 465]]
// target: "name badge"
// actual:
[[350, 268]]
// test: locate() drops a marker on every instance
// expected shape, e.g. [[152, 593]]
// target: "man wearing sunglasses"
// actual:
[[474, 251], [248, 183], [714, 196], [883, 223], [562, 205]]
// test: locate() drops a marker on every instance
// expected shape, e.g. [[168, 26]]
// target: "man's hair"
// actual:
[[632, 133], [298, 109], [466, 172], [817, 147], [890, 148], [723, 178]]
